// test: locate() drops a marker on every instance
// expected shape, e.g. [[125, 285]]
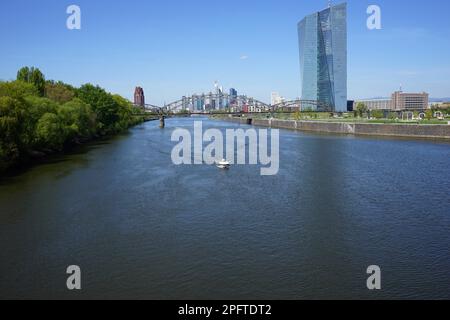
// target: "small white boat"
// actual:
[[224, 164]]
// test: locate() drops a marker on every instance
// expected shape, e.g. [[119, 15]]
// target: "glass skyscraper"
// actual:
[[323, 57]]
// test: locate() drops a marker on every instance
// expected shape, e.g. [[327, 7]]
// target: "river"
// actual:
[[140, 227]]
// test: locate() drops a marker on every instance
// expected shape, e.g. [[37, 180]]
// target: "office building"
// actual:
[[275, 98], [377, 104], [410, 101], [233, 97], [323, 57], [400, 101]]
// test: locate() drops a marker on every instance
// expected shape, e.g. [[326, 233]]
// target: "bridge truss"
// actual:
[[203, 104]]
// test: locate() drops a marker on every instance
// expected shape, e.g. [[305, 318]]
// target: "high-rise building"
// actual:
[[201, 103], [323, 57], [139, 98], [233, 97], [275, 98], [185, 103]]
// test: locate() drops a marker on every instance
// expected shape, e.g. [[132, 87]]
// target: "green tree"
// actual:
[[36, 107], [17, 89], [24, 74], [50, 133], [34, 76], [59, 91], [30, 122], [429, 114], [12, 114], [103, 104], [125, 112], [78, 120], [361, 108]]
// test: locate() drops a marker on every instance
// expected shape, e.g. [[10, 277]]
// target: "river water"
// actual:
[[141, 227]]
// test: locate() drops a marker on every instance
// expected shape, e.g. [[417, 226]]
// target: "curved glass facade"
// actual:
[[323, 57]]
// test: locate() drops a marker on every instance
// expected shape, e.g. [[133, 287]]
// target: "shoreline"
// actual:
[[412, 131], [34, 158]]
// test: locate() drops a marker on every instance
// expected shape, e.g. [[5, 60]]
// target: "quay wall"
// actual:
[[370, 129]]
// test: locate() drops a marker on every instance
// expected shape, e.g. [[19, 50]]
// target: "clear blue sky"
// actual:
[[177, 47]]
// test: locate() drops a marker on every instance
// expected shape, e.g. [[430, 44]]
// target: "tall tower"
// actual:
[[233, 96], [323, 57], [139, 98]]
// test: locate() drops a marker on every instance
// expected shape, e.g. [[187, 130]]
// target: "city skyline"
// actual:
[[171, 56]]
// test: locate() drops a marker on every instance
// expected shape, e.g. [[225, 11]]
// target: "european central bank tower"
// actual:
[[323, 58]]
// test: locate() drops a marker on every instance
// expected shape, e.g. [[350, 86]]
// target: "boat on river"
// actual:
[[224, 164]]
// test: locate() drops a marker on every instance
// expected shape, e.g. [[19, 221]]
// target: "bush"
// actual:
[[377, 114], [393, 116]]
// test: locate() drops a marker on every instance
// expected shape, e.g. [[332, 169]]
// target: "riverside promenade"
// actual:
[[368, 129]]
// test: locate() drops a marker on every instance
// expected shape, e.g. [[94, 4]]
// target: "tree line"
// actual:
[[39, 116]]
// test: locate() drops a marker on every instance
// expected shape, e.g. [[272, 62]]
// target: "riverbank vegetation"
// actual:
[[39, 117], [363, 115]]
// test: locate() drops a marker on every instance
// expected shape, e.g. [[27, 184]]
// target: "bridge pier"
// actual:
[[162, 122]]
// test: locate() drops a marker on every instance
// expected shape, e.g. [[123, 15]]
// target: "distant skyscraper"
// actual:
[[139, 98], [323, 57], [233, 96], [275, 98], [184, 103]]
